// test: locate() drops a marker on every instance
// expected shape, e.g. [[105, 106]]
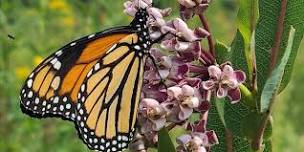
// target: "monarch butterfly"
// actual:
[[95, 82]]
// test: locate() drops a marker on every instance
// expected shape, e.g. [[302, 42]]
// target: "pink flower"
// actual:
[[179, 28], [191, 143], [200, 127], [132, 6], [190, 7], [181, 102], [156, 21], [225, 81], [152, 115], [196, 141]]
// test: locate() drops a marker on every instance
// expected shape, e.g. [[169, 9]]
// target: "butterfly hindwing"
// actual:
[[109, 98]]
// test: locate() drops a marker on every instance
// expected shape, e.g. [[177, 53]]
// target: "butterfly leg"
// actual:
[[162, 81]]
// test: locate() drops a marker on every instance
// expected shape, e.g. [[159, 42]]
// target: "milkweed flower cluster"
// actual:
[[185, 78]]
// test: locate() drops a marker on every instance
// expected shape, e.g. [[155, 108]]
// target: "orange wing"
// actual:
[[52, 88]]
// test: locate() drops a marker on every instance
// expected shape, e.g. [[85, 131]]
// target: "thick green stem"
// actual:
[[248, 96]]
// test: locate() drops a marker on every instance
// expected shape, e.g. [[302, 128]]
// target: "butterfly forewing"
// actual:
[[52, 88]]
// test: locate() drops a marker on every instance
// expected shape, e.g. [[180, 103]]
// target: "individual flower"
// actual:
[[191, 143], [132, 6], [156, 21], [198, 140], [190, 7], [200, 127], [180, 29], [152, 115], [225, 81], [181, 102]]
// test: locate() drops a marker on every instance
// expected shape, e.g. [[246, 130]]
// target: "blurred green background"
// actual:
[[40, 27]]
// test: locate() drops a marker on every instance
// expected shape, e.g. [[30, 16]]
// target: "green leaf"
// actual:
[[246, 22], [273, 83], [265, 35], [232, 115], [165, 143], [251, 124], [215, 123], [222, 52], [238, 54], [220, 107], [247, 17]]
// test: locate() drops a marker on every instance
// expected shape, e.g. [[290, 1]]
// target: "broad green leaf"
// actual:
[[265, 35], [215, 123], [251, 124], [164, 141], [273, 83], [238, 54], [233, 114], [222, 52]]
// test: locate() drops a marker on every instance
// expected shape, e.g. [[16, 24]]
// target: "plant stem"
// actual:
[[206, 27], [248, 96], [257, 142], [278, 37], [253, 15], [229, 140]]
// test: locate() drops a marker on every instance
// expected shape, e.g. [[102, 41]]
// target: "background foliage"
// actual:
[[40, 27]]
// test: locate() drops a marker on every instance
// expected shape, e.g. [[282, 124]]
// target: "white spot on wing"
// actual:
[[54, 61], [58, 53], [74, 43], [68, 106], [30, 94], [36, 100], [57, 65], [91, 36], [96, 67], [29, 83], [137, 47], [56, 100]]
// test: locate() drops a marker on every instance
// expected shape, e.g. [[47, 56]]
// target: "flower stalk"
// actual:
[[206, 27]]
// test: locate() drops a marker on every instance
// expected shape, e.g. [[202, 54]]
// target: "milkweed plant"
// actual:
[[200, 97]]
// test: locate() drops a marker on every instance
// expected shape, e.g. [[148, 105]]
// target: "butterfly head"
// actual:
[[139, 23]]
